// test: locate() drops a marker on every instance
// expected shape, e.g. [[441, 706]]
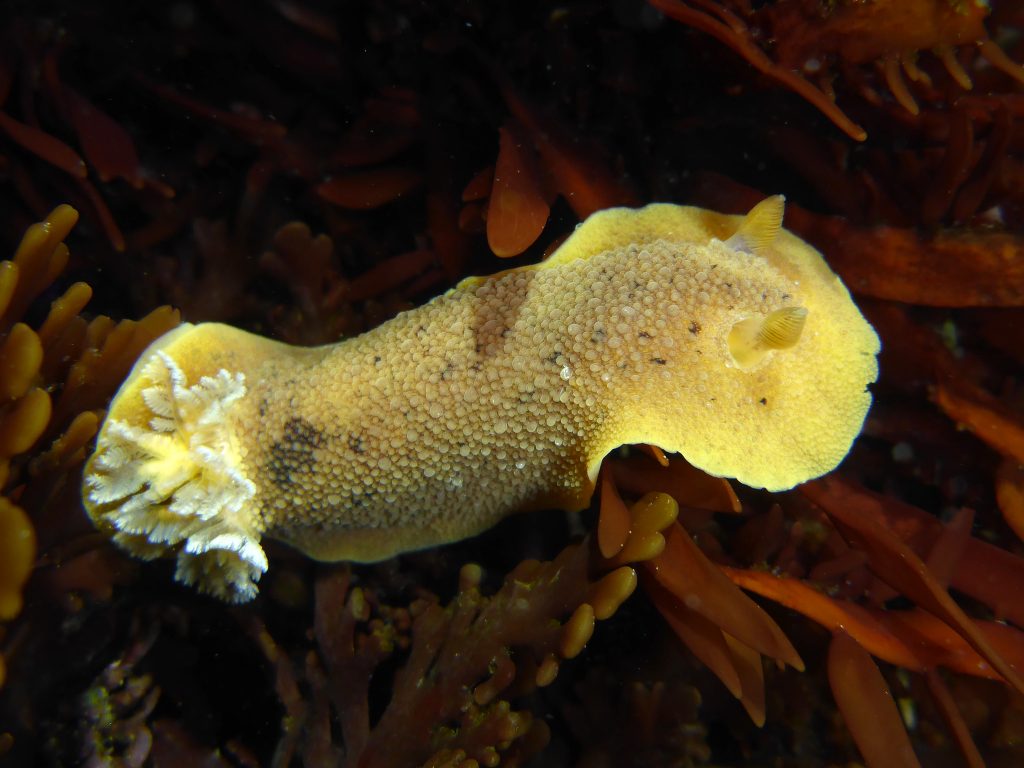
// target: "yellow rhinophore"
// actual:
[[724, 338]]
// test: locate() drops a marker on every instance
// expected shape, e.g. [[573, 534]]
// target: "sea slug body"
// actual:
[[723, 338]]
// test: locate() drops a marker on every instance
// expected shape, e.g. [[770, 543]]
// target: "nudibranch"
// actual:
[[724, 338]]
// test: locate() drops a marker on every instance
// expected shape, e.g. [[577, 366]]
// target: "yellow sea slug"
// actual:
[[724, 338]]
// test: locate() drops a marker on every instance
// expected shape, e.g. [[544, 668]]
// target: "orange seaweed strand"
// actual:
[[899, 566], [867, 705], [1010, 495], [954, 720], [757, 58], [517, 212], [44, 145], [365, 190], [687, 574]]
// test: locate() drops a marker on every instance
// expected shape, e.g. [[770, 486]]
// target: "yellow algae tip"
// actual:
[[724, 338]]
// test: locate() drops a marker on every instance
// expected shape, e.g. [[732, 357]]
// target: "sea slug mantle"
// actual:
[[724, 338]]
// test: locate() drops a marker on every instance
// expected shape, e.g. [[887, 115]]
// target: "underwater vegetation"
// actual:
[[307, 170]]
